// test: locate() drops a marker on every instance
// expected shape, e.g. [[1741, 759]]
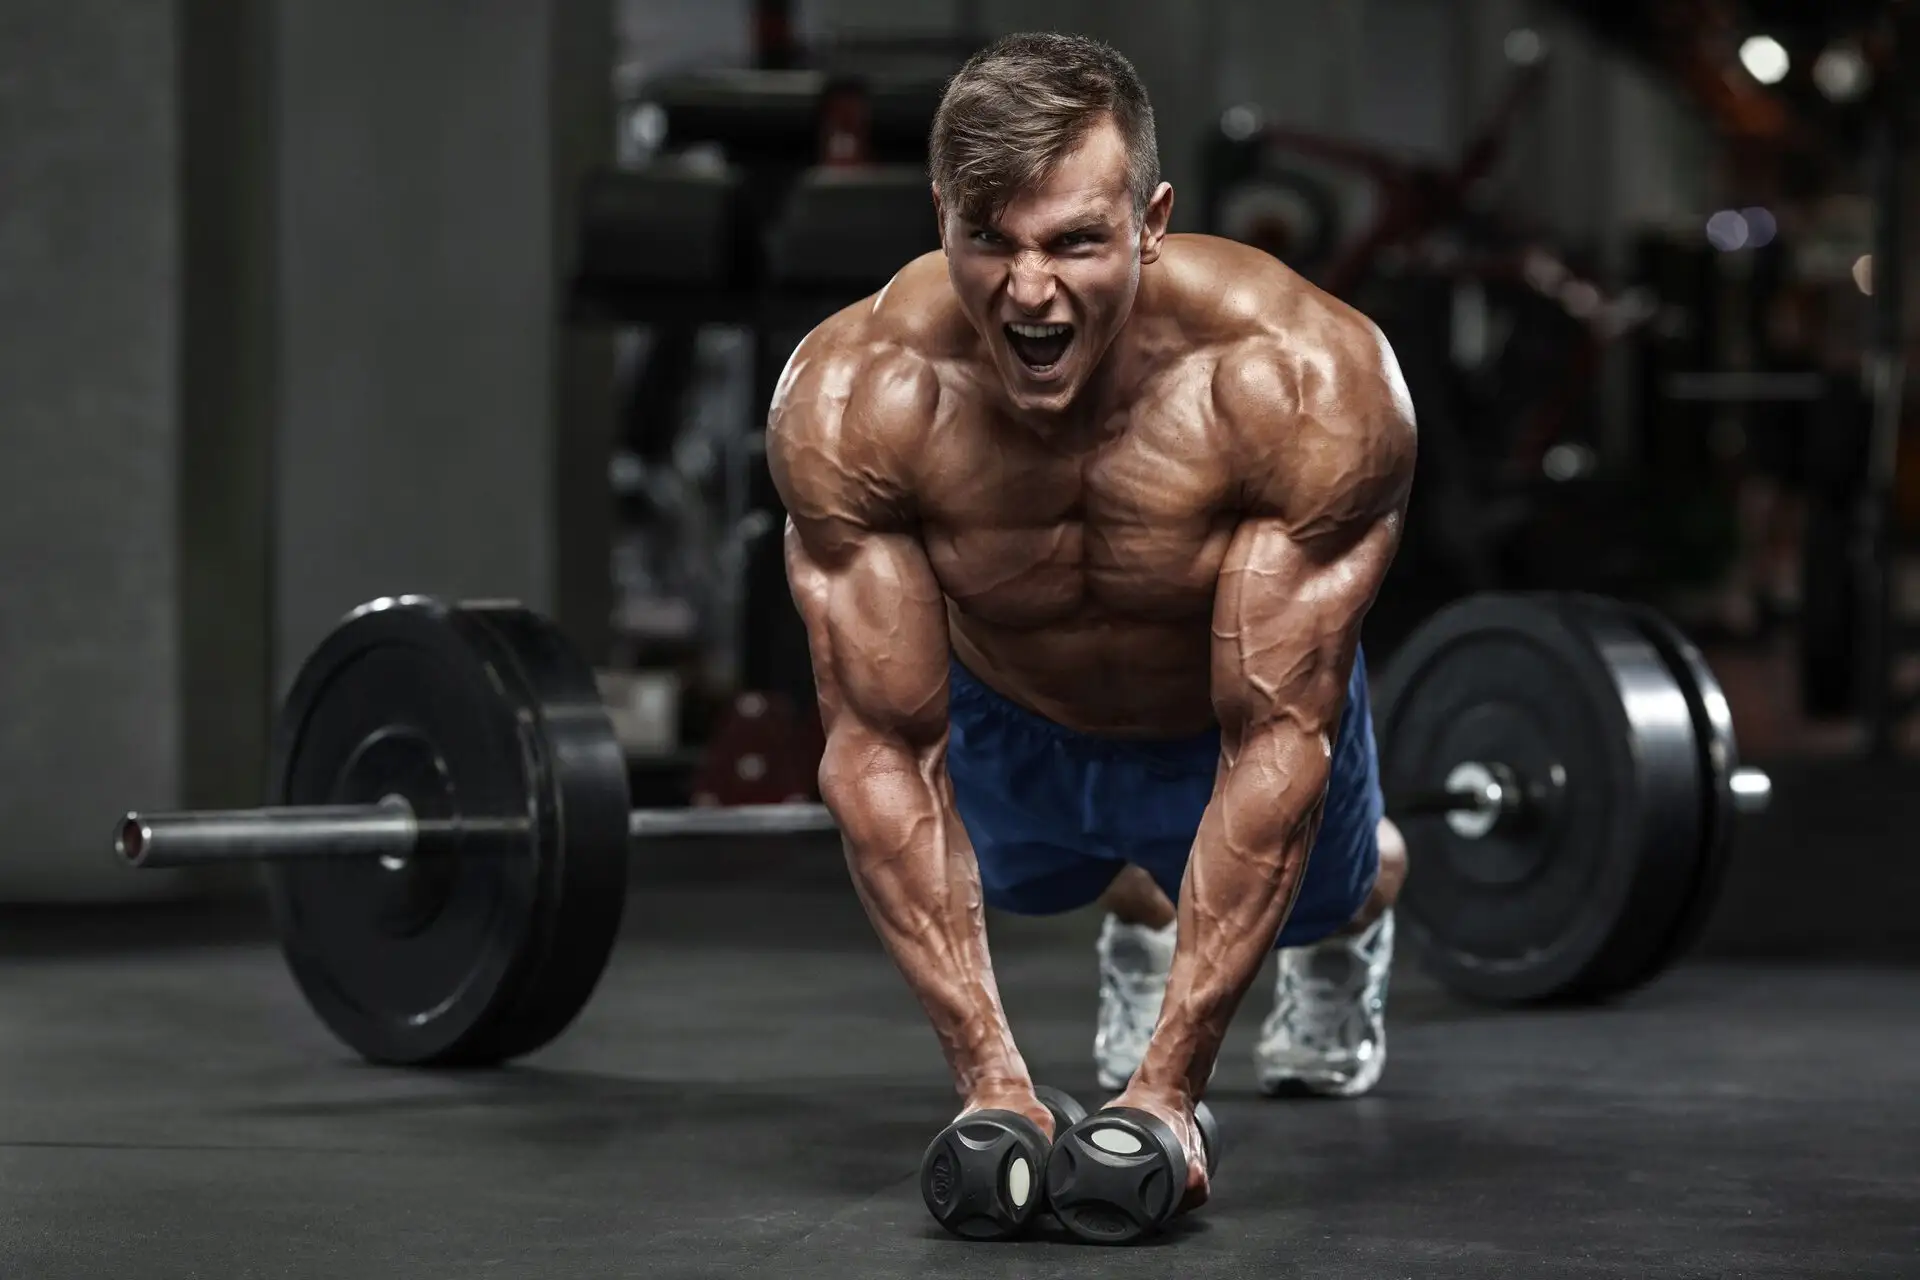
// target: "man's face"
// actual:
[[1052, 279]]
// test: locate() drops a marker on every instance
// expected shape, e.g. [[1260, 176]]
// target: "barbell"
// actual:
[[1565, 771], [447, 839]]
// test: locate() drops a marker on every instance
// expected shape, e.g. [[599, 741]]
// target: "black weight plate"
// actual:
[[485, 943], [583, 891], [1718, 755], [1668, 748], [1584, 712]]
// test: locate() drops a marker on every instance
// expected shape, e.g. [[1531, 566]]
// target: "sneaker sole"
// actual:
[[1285, 1086]]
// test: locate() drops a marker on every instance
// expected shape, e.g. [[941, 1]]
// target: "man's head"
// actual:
[[1047, 177]]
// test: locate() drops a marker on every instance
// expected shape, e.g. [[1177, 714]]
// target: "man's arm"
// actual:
[[876, 622], [1298, 579]]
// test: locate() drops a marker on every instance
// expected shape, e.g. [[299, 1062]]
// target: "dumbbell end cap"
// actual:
[[1752, 790]]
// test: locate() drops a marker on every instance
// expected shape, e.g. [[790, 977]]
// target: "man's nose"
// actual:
[[1032, 285]]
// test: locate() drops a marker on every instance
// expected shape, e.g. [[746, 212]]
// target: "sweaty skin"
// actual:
[[1182, 523]]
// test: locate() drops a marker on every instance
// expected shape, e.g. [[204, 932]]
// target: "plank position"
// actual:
[[1084, 520]]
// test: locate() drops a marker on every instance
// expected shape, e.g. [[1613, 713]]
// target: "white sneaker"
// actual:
[[1134, 963], [1328, 1029]]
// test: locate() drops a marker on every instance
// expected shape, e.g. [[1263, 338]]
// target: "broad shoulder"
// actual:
[[852, 408], [1311, 400]]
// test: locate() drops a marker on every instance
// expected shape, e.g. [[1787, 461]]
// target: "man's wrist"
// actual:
[[1180, 1044], [996, 1073], [1002, 1079], [982, 1054]]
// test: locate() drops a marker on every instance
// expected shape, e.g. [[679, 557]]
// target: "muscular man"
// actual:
[[1084, 522]]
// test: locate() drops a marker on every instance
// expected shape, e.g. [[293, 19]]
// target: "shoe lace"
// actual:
[[1323, 992], [1135, 1007], [1314, 1012]]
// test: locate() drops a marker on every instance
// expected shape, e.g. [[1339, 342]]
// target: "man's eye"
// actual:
[[986, 237]]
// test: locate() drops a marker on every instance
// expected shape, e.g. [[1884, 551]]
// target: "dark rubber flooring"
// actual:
[[751, 1089]]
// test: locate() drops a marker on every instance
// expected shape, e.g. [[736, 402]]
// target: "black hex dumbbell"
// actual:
[[1121, 1174], [985, 1176]]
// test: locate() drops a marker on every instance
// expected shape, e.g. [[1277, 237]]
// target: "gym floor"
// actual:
[[751, 1088]]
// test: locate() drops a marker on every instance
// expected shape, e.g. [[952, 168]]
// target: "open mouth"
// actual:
[[1039, 346]]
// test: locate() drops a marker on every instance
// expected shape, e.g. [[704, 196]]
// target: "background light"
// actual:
[[1840, 73], [1863, 274], [1765, 59], [1524, 47], [1241, 122], [1728, 231]]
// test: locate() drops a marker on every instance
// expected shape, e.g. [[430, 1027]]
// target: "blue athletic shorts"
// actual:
[[1055, 814]]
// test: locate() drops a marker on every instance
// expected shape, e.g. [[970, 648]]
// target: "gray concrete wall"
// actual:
[[416, 307], [280, 330], [89, 379], [581, 78], [226, 405]]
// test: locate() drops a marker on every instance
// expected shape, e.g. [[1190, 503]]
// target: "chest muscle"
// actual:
[[1134, 531]]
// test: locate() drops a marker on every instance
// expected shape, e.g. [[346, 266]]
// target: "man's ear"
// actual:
[[1153, 223]]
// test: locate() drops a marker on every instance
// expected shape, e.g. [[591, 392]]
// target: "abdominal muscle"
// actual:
[[1106, 675]]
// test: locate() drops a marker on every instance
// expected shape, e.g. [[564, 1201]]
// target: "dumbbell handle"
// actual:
[[155, 841]]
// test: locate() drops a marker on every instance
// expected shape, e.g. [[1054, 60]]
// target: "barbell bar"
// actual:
[[1478, 795], [391, 831]]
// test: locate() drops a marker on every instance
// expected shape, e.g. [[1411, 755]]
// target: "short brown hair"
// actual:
[[1020, 105]]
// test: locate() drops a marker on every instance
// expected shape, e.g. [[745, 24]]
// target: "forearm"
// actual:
[[1248, 861], [914, 870]]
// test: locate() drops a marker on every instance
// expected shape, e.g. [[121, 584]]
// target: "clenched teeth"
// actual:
[[1041, 330]]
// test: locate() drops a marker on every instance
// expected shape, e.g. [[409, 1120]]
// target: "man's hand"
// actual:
[[1175, 1109], [1011, 1095]]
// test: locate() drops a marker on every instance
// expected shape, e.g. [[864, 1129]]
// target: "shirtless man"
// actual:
[[1084, 520]]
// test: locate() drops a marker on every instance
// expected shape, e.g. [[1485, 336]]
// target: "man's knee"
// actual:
[[1393, 853], [1135, 898], [1387, 882]]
